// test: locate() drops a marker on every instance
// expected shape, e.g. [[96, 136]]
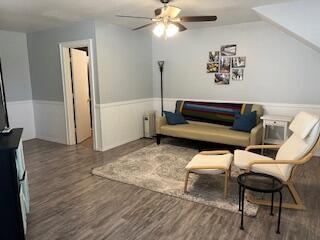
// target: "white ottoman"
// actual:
[[211, 162]]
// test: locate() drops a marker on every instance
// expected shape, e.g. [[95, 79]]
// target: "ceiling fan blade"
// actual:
[[171, 11], [180, 26], [125, 16], [143, 26], [198, 18], [167, 11]]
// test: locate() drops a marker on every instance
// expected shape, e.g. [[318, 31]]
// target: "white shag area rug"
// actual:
[[160, 168]]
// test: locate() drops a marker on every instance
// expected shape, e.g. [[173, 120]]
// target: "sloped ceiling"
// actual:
[[301, 19]]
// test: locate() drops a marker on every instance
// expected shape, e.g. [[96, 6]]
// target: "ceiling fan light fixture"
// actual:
[[171, 30], [159, 29], [167, 22]]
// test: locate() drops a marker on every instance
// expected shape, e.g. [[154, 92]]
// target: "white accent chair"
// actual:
[[297, 150]]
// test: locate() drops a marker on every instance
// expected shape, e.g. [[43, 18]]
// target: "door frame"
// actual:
[[67, 89]]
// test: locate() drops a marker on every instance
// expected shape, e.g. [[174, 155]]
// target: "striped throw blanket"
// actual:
[[219, 113]]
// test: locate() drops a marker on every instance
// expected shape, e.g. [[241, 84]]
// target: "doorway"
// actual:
[[79, 98]]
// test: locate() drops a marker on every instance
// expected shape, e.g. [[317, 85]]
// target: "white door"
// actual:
[[79, 66]]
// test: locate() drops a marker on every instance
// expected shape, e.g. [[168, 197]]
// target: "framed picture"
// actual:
[[225, 64], [228, 50], [222, 78], [212, 67], [214, 56], [238, 62], [237, 74]]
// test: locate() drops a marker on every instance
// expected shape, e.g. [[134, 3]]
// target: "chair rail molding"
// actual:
[[289, 109]]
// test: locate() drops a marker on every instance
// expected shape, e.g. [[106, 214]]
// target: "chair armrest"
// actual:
[[295, 162], [215, 152], [262, 147], [253, 162], [160, 121], [256, 134]]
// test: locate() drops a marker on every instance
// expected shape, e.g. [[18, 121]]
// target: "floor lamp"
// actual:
[[161, 65]]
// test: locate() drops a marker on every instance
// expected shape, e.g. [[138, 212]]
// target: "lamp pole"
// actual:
[[161, 65]]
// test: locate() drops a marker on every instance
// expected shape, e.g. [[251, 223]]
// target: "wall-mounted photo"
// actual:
[[228, 50], [212, 67], [238, 62], [225, 65], [237, 74], [222, 78], [214, 56]]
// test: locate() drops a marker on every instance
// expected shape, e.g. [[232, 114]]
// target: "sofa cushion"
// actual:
[[219, 113], [207, 132], [174, 118], [245, 122]]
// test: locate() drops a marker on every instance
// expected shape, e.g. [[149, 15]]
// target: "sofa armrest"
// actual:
[[160, 121], [256, 134]]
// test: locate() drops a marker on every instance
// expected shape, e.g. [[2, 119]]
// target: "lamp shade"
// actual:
[[159, 29], [171, 30]]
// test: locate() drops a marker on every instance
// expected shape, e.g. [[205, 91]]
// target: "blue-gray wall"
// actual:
[[15, 66], [44, 57], [279, 68], [124, 63], [122, 60]]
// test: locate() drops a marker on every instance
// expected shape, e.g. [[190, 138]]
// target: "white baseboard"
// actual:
[[21, 115], [122, 122], [50, 121]]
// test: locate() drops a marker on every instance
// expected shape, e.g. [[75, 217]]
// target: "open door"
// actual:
[[81, 97]]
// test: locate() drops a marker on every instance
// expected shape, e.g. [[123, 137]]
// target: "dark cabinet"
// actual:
[[14, 193]]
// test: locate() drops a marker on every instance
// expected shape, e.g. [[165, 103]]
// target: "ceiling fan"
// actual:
[[167, 22]]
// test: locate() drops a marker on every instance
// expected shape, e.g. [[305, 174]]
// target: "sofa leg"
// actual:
[[158, 139]]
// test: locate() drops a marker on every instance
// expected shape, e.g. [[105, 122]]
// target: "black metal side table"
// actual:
[[259, 182]]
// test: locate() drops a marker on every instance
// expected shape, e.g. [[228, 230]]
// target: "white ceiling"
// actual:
[[35, 15]]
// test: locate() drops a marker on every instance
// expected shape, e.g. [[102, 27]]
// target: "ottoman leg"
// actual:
[[226, 178], [186, 181]]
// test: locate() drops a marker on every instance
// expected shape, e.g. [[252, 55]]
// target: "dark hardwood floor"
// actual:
[[67, 202]]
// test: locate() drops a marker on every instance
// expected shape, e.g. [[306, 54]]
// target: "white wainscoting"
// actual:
[[21, 115], [269, 108], [50, 121], [117, 123], [122, 122]]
